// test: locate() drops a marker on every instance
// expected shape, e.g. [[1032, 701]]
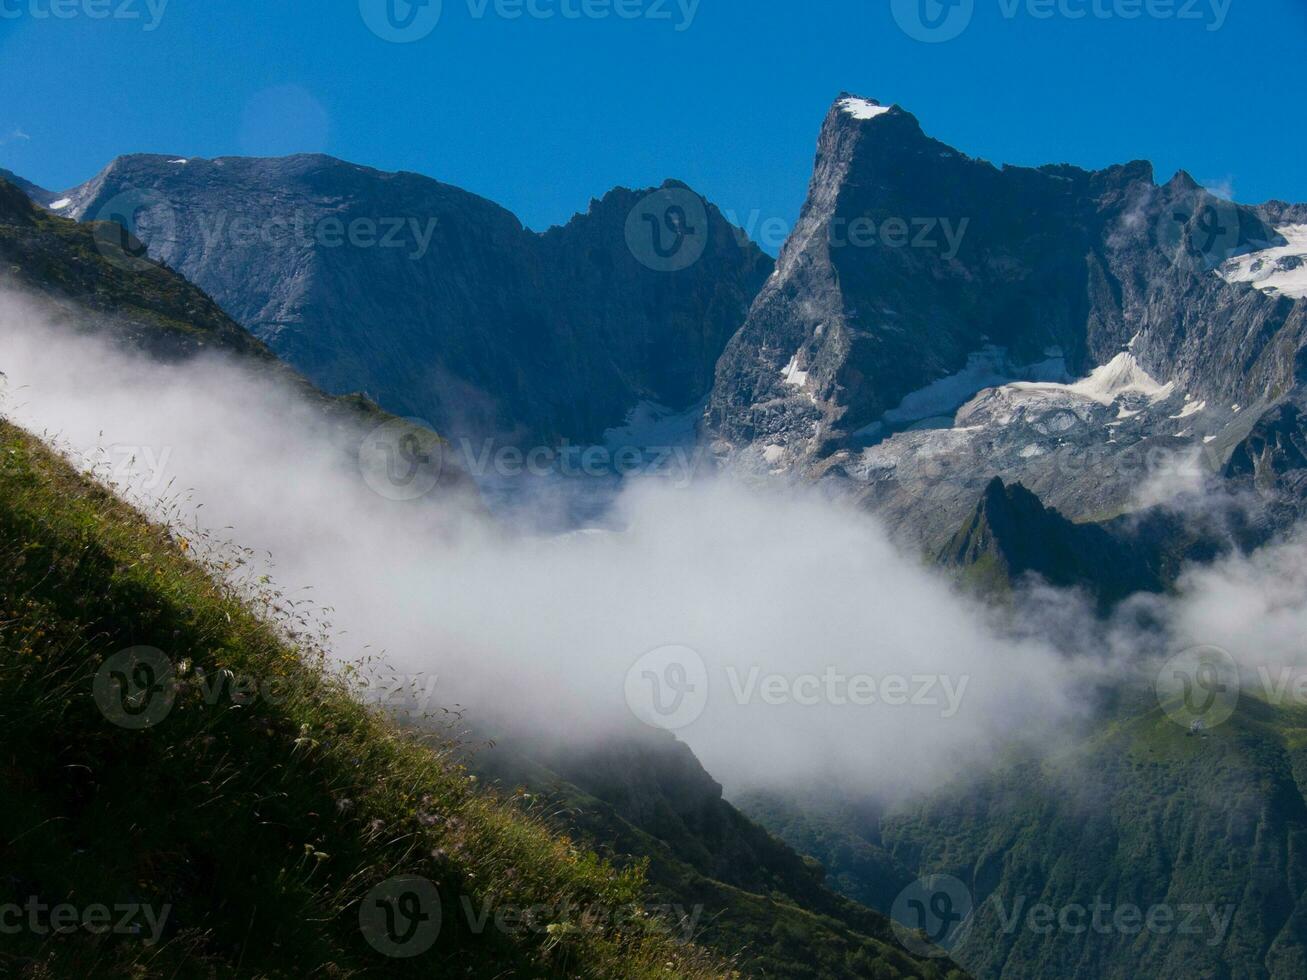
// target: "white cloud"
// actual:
[[541, 632]]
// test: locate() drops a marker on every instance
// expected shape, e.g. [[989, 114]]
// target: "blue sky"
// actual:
[[542, 113]]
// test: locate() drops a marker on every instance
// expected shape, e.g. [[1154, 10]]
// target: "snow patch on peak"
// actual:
[[1191, 408], [1282, 269], [649, 424], [793, 374], [1106, 386], [1122, 375], [60, 204], [862, 108]]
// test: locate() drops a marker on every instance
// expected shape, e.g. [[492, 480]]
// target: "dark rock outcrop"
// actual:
[[439, 303]]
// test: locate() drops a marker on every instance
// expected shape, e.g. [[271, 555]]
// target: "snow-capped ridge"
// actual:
[[1279, 269], [860, 108]]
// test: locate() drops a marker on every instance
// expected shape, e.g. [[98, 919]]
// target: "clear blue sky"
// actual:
[[541, 115]]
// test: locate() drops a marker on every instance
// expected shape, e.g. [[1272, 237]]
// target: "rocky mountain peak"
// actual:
[[441, 304], [918, 277]]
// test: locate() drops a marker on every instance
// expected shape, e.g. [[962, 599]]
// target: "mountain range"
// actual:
[[649, 815], [1029, 374], [437, 303]]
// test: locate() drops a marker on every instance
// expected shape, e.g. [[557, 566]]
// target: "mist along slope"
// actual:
[[257, 827], [438, 303], [241, 788]]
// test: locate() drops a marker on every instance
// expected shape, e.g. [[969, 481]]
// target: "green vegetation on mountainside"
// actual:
[[756, 899], [1205, 830], [260, 824]]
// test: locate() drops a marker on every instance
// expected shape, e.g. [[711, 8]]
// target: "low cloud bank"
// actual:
[[780, 635]]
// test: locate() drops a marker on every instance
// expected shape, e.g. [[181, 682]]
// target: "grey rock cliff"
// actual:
[[439, 303], [927, 313]]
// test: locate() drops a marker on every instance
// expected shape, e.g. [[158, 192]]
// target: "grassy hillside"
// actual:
[[259, 825], [1141, 815], [147, 305], [762, 904]]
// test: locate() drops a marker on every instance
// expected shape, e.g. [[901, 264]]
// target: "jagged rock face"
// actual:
[[919, 277], [1011, 535], [139, 305], [1272, 459], [436, 302], [38, 194]]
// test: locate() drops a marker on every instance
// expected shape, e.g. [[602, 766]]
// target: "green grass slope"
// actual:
[[1205, 831], [260, 825], [757, 900]]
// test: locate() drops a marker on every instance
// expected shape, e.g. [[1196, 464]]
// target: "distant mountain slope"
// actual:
[[1204, 827], [918, 277], [439, 303], [151, 307], [761, 903], [40, 195], [90, 278], [1011, 536]]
